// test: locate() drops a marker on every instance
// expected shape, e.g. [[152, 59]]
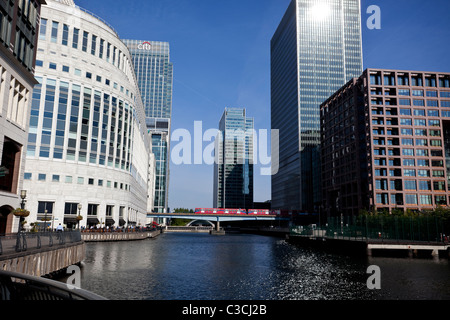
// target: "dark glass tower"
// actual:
[[154, 72], [233, 170], [315, 51]]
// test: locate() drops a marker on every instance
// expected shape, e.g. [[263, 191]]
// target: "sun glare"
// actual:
[[320, 11]]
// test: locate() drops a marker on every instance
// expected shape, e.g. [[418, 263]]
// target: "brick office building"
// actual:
[[385, 142]]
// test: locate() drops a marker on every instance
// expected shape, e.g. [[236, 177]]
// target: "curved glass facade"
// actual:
[[88, 142]]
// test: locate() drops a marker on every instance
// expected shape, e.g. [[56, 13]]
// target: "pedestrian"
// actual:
[[59, 228]]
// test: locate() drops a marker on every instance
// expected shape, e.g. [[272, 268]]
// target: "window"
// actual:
[[445, 104], [409, 162], [65, 36], [408, 152], [425, 185], [432, 94], [407, 142], [423, 163], [71, 208], [438, 174], [55, 26], [28, 176], [382, 198], [434, 123], [419, 103], [433, 113], [410, 185], [91, 181], [52, 66], [409, 173], [404, 102], [421, 142], [440, 200], [420, 132], [94, 45], [423, 173], [43, 206], [69, 179], [432, 103], [43, 29], [42, 177], [419, 112], [403, 92], [65, 69], [439, 185], [92, 209], [411, 199], [109, 210], [407, 132], [426, 199], [422, 152], [55, 178], [406, 122], [85, 41], [88, 75], [420, 122], [405, 112], [80, 180], [436, 143], [76, 34]]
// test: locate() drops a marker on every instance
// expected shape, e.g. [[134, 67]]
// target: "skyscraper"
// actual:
[[314, 52], [233, 169], [154, 72]]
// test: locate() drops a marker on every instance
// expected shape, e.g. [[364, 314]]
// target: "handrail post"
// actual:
[[18, 243]]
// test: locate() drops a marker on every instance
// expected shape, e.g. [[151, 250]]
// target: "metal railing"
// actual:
[[25, 241], [20, 287], [379, 228]]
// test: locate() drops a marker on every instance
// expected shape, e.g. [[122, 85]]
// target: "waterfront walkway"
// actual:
[[108, 236]]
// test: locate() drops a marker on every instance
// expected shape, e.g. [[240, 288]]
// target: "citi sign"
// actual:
[[145, 46]]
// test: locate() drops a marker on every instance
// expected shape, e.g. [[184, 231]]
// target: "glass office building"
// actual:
[[154, 72], [315, 50], [233, 169]]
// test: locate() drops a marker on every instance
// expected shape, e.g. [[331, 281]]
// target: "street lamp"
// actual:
[[45, 220], [23, 195], [79, 214]]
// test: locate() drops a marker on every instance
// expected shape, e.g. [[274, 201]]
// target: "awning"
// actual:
[[70, 220], [122, 222], [110, 221], [93, 221]]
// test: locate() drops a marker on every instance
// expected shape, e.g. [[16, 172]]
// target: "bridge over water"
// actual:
[[217, 218]]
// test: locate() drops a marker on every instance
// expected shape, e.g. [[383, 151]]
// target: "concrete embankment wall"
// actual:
[[44, 262], [117, 236]]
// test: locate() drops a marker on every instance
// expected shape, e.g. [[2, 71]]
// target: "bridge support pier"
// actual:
[[218, 231]]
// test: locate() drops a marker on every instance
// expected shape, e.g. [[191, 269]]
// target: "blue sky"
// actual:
[[221, 56]]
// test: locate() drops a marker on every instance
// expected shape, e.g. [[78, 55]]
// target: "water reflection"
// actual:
[[249, 267]]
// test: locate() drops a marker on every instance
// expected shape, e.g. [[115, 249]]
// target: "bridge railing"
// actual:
[[20, 287], [25, 241]]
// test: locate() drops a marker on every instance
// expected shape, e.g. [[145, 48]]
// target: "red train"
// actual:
[[232, 211]]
